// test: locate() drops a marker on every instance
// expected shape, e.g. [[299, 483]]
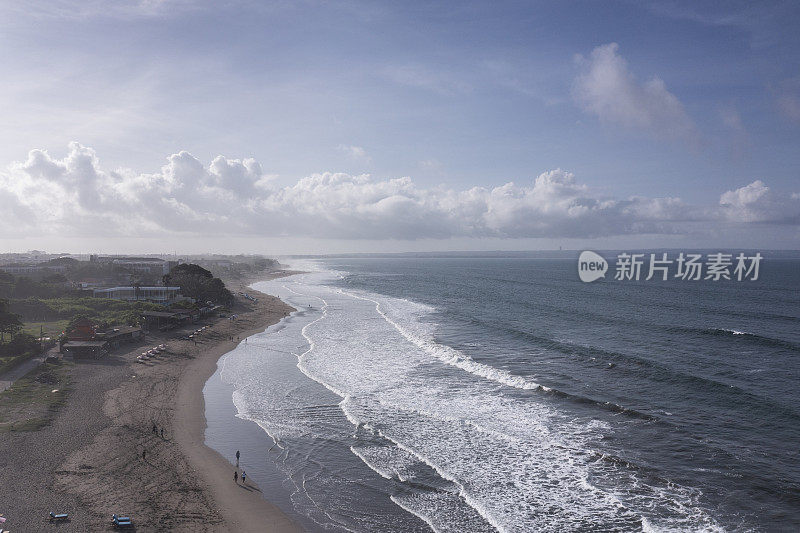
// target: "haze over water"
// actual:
[[473, 394]]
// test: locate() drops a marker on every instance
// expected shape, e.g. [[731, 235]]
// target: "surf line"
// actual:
[[456, 358]]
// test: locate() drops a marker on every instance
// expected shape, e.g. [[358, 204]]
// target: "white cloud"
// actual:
[[731, 118], [71, 9], [608, 89], [76, 197], [788, 99], [357, 153], [758, 203]]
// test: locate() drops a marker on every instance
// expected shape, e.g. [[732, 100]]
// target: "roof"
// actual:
[[140, 288], [117, 332], [162, 314], [85, 344]]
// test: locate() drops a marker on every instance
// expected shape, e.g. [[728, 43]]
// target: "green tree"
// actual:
[[198, 283], [9, 322]]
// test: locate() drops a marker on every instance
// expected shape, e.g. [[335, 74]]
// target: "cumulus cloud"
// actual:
[[758, 203], [608, 89], [76, 196]]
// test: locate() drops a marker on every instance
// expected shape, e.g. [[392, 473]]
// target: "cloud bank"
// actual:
[[75, 196]]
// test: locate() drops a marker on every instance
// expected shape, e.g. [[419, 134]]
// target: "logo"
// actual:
[[591, 266]]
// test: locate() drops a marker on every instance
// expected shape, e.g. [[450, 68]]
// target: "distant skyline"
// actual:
[[329, 127]]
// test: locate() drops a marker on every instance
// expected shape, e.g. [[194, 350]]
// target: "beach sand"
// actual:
[[88, 461]]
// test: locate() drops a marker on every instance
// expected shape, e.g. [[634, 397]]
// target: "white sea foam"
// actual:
[[447, 354], [517, 463], [733, 331]]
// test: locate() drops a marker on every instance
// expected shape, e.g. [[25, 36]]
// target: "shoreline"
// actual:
[[99, 455], [190, 427]]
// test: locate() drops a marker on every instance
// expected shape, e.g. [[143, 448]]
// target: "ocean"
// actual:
[[461, 394]]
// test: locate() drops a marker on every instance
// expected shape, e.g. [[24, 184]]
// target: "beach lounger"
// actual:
[[60, 516]]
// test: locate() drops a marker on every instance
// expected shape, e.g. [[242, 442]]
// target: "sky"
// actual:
[[325, 127]]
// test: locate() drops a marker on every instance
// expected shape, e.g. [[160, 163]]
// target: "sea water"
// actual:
[[485, 394]]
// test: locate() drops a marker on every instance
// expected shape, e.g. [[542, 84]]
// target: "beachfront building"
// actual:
[[84, 340], [162, 295], [93, 349], [164, 320], [120, 335], [82, 330]]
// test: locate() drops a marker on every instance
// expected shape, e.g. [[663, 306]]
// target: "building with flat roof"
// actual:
[[160, 295], [33, 269], [167, 320], [120, 335], [85, 349], [146, 265]]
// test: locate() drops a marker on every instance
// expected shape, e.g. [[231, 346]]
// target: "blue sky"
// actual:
[[659, 100]]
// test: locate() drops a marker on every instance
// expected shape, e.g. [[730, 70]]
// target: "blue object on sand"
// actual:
[[60, 516], [121, 521]]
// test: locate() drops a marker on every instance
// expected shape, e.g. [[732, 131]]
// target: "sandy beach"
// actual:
[[100, 455]]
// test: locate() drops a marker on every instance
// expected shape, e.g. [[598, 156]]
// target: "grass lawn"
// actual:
[[51, 329], [33, 400]]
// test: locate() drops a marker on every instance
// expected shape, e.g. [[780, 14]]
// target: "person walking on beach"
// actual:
[[237, 457], [235, 476], [144, 454], [244, 476], [155, 429], [162, 433]]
